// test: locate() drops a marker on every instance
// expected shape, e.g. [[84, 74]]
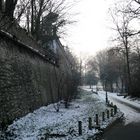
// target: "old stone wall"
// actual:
[[28, 81]]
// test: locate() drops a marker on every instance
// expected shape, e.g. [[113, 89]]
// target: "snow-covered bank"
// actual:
[[130, 108], [63, 125], [130, 101], [133, 99]]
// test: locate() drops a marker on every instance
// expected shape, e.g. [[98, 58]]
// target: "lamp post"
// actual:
[[106, 93], [106, 97]]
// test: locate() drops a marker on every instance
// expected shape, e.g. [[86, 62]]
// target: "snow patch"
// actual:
[[47, 123]]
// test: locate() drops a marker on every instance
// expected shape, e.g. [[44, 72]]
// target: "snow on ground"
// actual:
[[127, 106], [63, 125], [128, 100], [134, 99]]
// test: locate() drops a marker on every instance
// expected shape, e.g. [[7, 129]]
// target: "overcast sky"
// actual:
[[91, 33]]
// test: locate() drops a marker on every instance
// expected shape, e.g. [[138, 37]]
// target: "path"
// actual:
[[129, 128]]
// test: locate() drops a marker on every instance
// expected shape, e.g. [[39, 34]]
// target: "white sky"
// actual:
[[91, 33]]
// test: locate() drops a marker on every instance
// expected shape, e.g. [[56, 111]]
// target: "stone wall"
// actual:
[[28, 81]]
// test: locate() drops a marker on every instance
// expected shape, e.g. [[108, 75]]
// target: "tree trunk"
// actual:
[[28, 20], [37, 25], [122, 85], [128, 66], [1, 5], [10, 7], [111, 86], [32, 17]]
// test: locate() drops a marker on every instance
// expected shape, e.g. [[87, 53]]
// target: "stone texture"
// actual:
[[27, 81]]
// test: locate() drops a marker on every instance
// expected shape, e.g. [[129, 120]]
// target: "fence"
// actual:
[[105, 115]]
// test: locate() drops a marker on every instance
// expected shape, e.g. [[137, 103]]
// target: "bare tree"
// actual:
[[123, 29], [10, 7], [38, 11], [66, 80], [1, 2]]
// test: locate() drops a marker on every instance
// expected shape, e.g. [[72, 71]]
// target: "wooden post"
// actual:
[[112, 112], [97, 119], [90, 123], [108, 114], [115, 109], [80, 127], [111, 104], [103, 116]]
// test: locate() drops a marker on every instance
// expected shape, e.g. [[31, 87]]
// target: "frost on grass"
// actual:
[[47, 123]]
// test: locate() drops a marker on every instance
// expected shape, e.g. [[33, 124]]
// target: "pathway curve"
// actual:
[[129, 128]]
